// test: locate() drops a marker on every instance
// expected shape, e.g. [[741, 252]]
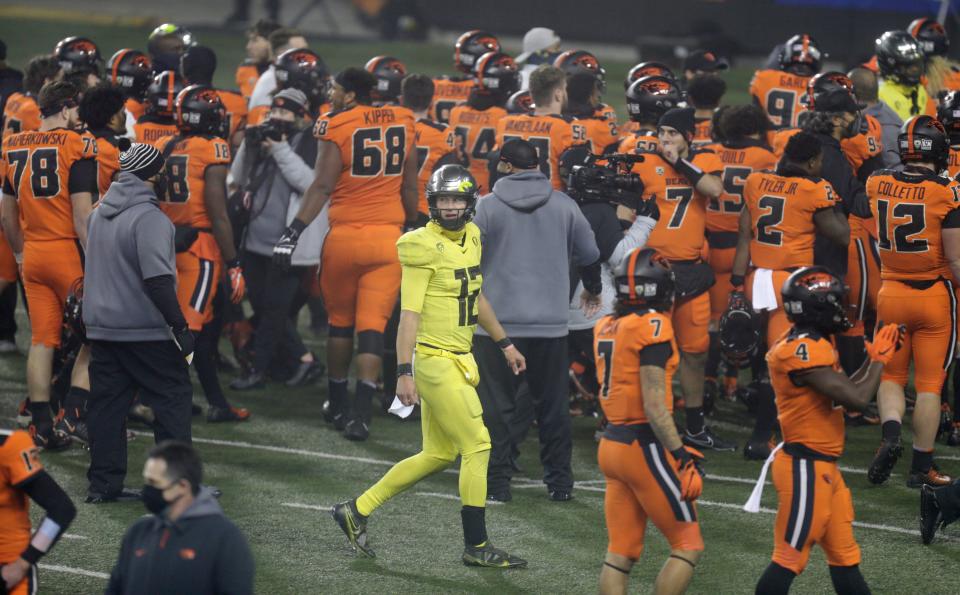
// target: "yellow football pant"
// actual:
[[451, 420]]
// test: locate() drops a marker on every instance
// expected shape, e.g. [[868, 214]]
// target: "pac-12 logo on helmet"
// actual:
[[200, 111], [389, 72], [813, 297], [131, 71]]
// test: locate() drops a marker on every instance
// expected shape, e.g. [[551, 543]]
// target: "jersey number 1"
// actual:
[[467, 299]]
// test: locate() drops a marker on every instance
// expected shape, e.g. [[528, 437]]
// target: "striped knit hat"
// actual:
[[142, 160]]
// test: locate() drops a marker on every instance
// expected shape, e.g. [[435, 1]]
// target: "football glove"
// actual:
[[689, 472], [283, 251], [184, 340], [885, 343], [238, 285], [648, 208]]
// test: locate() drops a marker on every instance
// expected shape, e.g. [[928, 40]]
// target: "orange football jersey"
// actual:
[[246, 78], [373, 144], [19, 461], [953, 162], [236, 107], [806, 416], [551, 135], [606, 112], [600, 134], [136, 108], [864, 146], [447, 94], [910, 212], [108, 161], [475, 132], [703, 132], [433, 141], [780, 139], [42, 172], [20, 114], [639, 141], [681, 230], [186, 166], [781, 216], [629, 127], [739, 161], [778, 93], [617, 345], [150, 129]]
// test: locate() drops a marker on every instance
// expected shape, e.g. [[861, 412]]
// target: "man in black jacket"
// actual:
[[834, 116], [186, 544]]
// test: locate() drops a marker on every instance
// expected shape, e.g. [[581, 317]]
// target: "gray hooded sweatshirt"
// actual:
[[532, 237], [129, 240]]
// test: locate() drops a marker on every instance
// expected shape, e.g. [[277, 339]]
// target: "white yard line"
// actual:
[[72, 536], [450, 497], [71, 570]]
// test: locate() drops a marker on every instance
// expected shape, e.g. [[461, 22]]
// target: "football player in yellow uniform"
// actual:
[[440, 307]]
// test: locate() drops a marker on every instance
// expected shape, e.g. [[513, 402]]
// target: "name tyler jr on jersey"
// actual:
[[778, 186]]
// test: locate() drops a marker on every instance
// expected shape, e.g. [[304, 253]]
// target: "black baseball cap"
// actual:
[[519, 153], [702, 60]]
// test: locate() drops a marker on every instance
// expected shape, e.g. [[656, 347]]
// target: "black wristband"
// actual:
[[690, 171], [737, 280], [297, 226], [31, 555], [404, 370], [504, 343], [233, 263]]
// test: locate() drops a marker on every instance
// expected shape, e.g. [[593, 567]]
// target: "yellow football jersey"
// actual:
[[441, 281]]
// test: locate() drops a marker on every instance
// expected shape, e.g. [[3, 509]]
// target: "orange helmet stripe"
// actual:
[[631, 266]]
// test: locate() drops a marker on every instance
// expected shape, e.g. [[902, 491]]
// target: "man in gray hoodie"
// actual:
[[533, 239], [140, 343]]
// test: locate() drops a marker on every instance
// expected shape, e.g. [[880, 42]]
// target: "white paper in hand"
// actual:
[[399, 409]]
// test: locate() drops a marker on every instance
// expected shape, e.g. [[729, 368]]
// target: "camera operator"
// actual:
[[599, 186], [274, 167]]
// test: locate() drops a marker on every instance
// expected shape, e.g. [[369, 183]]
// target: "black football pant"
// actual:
[[272, 293], [548, 381], [157, 373], [8, 308]]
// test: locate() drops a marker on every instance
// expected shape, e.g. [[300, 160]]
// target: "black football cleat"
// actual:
[[353, 525], [931, 477], [46, 438], [707, 440], [306, 372], [356, 430], [931, 517], [487, 556], [884, 461], [561, 495], [124, 495], [72, 429], [226, 414]]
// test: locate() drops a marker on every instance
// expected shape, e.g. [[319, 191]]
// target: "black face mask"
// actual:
[[153, 499]]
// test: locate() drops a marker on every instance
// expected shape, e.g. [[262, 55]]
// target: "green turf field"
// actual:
[[281, 471]]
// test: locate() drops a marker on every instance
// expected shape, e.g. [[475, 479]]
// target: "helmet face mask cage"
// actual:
[[813, 297], [900, 58], [644, 280], [453, 181]]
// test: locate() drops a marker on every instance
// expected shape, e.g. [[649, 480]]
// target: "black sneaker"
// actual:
[[124, 495], [306, 372], [561, 495], [504, 496], [884, 461], [931, 517], [756, 451], [249, 382], [353, 525], [356, 430], [487, 556], [226, 414], [707, 440]]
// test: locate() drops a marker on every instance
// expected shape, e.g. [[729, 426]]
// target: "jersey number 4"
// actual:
[[373, 159]]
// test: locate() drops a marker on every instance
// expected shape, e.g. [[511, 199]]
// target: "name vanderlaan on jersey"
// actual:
[[379, 116], [529, 125], [53, 137]]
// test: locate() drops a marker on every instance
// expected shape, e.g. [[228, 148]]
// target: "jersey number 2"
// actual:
[[467, 299]]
